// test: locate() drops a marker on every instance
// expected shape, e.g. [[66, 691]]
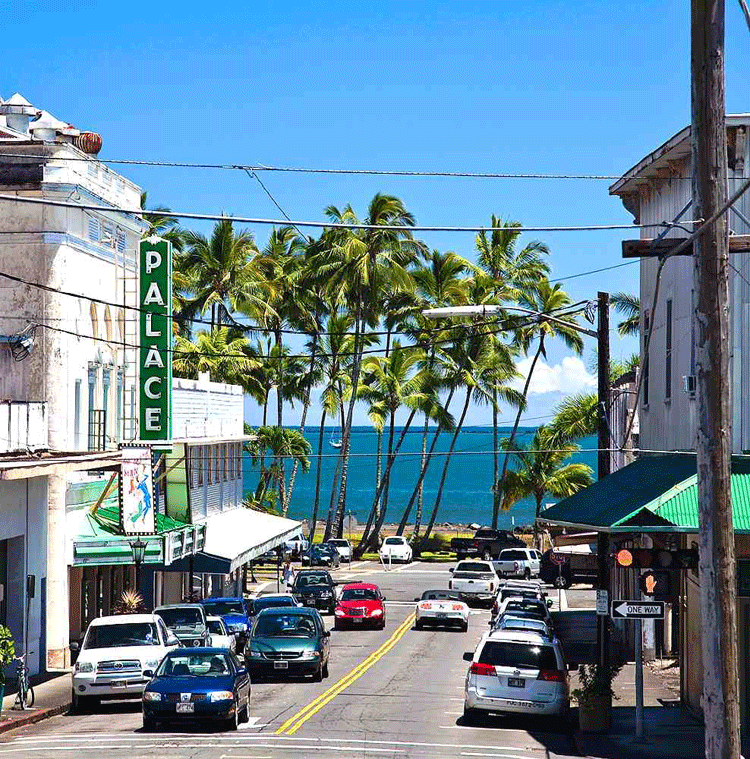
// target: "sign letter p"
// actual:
[[153, 260]]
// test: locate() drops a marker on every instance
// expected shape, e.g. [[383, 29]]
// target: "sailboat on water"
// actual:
[[334, 442]]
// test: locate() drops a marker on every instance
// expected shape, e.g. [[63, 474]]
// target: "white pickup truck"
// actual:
[[475, 580], [518, 562]]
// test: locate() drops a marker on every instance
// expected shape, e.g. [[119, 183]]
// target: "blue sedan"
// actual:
[[197, 684]]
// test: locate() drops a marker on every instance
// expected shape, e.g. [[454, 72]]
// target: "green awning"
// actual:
[[653, 494]]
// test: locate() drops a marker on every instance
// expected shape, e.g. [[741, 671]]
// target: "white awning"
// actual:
[[240, 535]]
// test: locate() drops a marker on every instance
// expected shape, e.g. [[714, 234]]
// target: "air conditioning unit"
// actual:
[[689, 383]]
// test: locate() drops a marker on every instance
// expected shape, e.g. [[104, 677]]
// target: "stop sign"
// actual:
[[558, 558]]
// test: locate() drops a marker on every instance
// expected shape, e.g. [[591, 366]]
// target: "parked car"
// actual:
[[521, 672], [288, 641], [474, 581], [187, 622], [322, 555], [515, 592], [271, 600], [296, 545], [396, 548], [343, 546], [485, 544], [535, 607], [518, 562], [220, 635], [580, 567], [315, 588], [233, 610], [508, 622], [118, 656], [197, 684], [360, 603], [441, 607]]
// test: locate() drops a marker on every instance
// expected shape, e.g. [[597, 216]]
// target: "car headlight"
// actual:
[[376, 613], [83, 666], [221, 695], [310, 655], [151, 664], [238, 627], [255, 655], [340, 613], [150, 695]]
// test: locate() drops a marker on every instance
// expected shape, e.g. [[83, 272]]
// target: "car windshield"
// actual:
[[359, 594], [128, 634], [194, 665], [285, 626], [513, 554], [216, 627], [305, 581], [181, 616], [440, 595], [485, 535], [520, 655], [394, 542], [531, 611], [220, 608], [342, 543], [266, 603]]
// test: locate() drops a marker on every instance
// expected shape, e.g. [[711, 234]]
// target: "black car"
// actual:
[[322, 555], [315, 588]]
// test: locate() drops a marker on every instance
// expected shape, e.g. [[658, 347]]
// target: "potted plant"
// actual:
[[594, 696], [7, 652]]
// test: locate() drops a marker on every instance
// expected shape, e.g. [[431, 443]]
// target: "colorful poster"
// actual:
[[137, 492]]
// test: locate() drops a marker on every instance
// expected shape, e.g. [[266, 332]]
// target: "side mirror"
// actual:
[[468, 656], [327, 634], [241, 672], [452, 570], [383, 598], [417, 599], [549, 603], [173, 640], [148, 672], [75, 646]]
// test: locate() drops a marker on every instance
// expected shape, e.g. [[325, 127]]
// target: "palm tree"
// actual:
[[165, 227], [515, 272], [280, 444], [541, 469], [359, 266], [220, 352], [546, 299], [630, 307]]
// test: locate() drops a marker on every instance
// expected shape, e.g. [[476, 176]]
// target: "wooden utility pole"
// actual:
[[603, 463], [717, 562]]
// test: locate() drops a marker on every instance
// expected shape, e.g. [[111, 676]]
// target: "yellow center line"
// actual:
[[296, 721]]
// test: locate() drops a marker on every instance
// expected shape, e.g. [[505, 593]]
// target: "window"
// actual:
[[107, 324], [668, 355], [94, 229], [94, 320], [217, 461], [108, 235], [646, 327], [522, 656], [77, 416], [209, 465], [226, 449], [120, 240], [198, 456]]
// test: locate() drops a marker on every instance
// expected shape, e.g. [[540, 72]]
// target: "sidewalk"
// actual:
[[669, 729], [52, 697]]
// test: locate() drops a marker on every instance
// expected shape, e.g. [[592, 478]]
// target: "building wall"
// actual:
[[203, 409]]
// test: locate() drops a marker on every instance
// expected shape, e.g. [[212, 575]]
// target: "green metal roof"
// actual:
[[653, 494], [109, 517]]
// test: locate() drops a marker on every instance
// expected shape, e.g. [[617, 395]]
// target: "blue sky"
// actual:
[[470, 86]]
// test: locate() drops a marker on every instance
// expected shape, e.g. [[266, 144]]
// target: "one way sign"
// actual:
[[637, 610]]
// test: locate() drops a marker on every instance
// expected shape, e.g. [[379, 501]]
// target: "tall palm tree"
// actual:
[[166, 227], [220, 352], [514, 272], [541, 469], [359, 266], [546, 299], [630, 307]]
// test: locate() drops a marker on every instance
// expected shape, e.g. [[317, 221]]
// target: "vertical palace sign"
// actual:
[[155, 355]]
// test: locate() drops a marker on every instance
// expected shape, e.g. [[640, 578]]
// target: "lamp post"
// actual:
[[138, 547]]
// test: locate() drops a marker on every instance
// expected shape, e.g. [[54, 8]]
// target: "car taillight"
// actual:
[[457, 607], [426, 607], [477, 668], [552, 675]]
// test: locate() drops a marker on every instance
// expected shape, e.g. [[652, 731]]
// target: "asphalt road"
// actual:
[[391, 693]]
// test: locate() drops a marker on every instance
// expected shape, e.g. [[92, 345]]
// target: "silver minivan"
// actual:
[[521, 672]]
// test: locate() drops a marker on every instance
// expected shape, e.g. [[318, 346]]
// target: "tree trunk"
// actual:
[[280, 412], [391, 431], [379, 523], [332, 504], [321, 434], [305, 408], [439, 496], [420, 497], [423, 472], [379, 464], [495, 462], [500, 486]]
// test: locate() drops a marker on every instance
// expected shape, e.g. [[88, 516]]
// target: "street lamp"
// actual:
[[138, 547]]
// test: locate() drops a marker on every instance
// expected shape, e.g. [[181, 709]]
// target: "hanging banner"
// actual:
[[137, 491], [155, 357]]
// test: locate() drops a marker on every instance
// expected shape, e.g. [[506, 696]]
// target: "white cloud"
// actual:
[[569, 376]]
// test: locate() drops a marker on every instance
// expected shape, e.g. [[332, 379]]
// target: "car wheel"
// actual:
[[381, 625], [418, 624], [336, 625], [325, 670], [246, 711], [318, 676], [527, 574], [486, 554], [465, 627], [149, 724], [234, 721], [470, 715]]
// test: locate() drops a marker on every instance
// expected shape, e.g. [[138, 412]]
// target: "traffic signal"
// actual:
[[656, 558], [655, 582]]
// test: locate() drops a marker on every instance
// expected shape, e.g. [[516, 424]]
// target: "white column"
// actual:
[[57, 607]]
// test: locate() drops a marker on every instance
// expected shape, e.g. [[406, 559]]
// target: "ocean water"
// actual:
[[467, 495]]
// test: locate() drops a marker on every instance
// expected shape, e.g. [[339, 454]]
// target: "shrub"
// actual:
[[7, 651], [130, 602]]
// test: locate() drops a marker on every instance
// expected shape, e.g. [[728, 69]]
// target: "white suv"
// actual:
[[119, 656], [516, 671]]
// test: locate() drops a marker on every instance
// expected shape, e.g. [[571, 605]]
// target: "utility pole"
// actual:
[[711, 252], [603, 464]]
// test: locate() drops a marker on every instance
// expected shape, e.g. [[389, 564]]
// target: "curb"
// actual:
[[34, 716]]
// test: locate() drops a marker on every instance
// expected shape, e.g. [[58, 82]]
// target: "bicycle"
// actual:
[[25, 695]]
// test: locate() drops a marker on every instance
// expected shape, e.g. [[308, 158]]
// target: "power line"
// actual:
[[327, 224]]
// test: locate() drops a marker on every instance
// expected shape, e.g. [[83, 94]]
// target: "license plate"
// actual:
[[117, 684], [281, 665], [185, 708], [441, 615], [357, 620], [516, 682]]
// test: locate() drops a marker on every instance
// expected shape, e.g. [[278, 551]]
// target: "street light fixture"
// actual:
[[138, 547]]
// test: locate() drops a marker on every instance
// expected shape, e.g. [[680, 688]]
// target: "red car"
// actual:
[[360, 604]]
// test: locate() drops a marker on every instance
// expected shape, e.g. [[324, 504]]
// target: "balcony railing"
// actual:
[[23, 426]]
